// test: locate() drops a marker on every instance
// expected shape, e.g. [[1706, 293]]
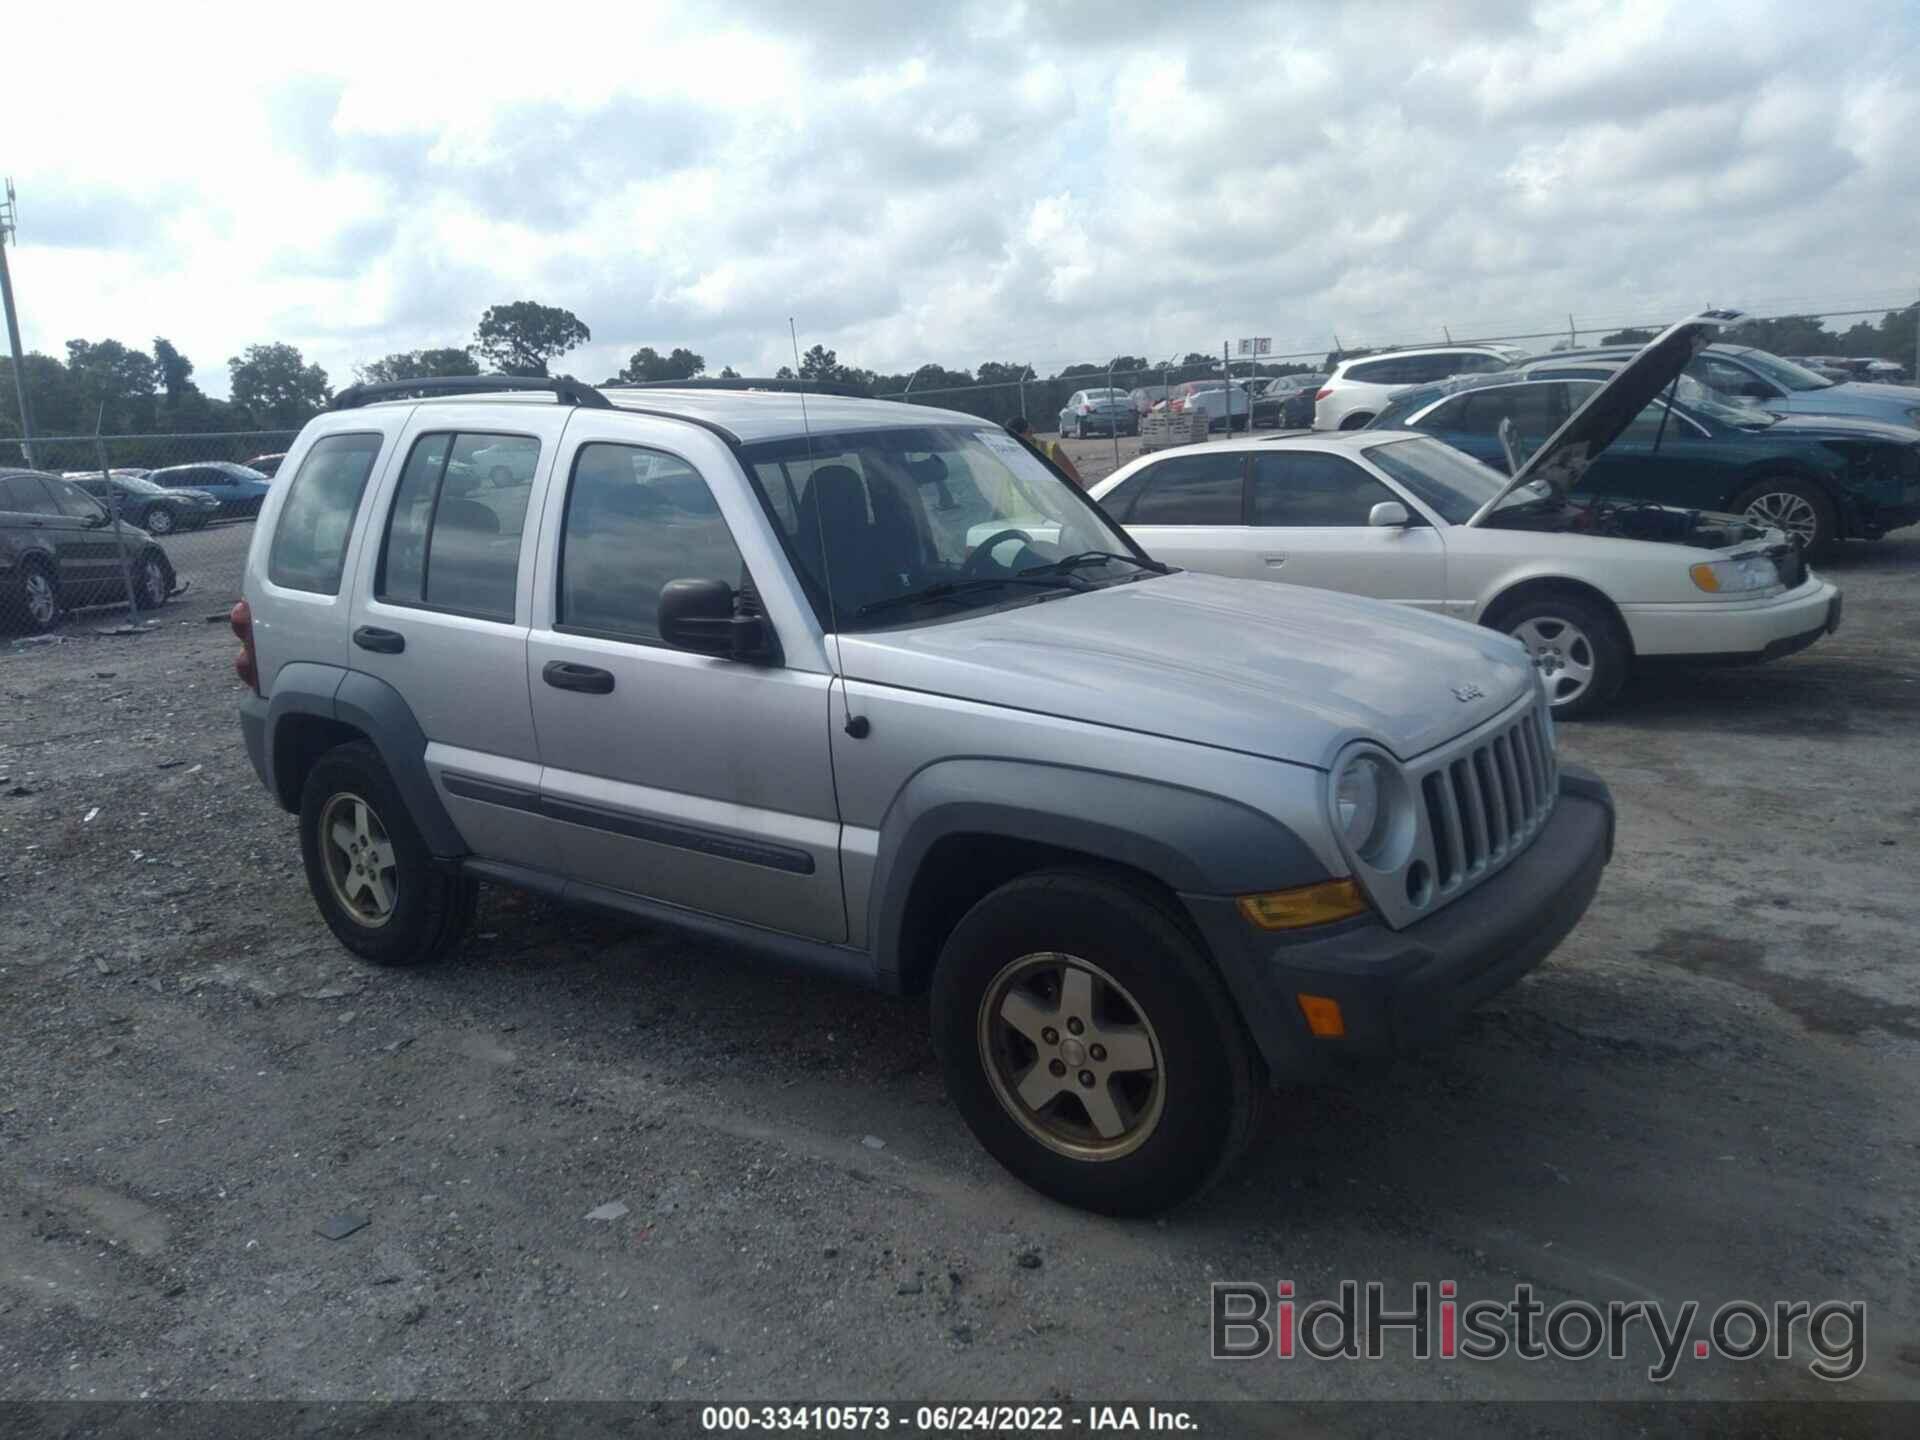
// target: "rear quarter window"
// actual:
[[316, 521]]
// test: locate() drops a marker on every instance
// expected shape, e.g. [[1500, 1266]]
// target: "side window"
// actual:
[[73, 501], [1730, 379], [26, 495], [1192, 490], [1308, 488], [1530, 407], [636, 519], [310, 545], [453, 537], [1374, 372], [1450, 416]]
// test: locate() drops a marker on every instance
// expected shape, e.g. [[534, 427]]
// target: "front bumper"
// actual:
[[1399, 989], [1735, 629]]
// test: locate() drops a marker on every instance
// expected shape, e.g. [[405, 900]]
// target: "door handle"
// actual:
[[381, 642], [584, 678], [1274, 560]]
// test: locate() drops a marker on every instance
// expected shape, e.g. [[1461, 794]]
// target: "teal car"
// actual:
[[1819, 478]]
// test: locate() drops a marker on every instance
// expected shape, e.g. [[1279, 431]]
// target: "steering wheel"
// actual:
[[985, 549]]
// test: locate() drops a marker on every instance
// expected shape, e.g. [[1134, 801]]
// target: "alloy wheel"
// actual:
[[1071, 1056], [1783, 510], [43, 604], [359, 860], [160, 521], [1562, 653], [153, 583]]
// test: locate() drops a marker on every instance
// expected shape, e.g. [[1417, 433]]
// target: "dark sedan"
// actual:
[[1288, 402], [154, 508], [1819, 478], [239, 490]]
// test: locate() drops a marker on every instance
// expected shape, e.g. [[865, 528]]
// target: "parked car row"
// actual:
[[1596, 562]]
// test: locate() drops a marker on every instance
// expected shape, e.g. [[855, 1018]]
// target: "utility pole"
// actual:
[[8, 229]]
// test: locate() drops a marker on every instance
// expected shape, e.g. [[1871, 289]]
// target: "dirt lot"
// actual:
[[1708, 1093]]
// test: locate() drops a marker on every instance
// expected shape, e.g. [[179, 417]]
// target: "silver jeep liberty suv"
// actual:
[[872, 690]]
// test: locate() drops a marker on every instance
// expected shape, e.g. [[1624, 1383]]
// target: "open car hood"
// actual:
[[1610, 409]]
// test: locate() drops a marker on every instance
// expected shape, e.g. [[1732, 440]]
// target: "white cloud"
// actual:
[[1053, 183]]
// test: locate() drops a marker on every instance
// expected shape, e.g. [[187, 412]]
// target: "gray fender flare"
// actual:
[[376, 710], [1190, 841]]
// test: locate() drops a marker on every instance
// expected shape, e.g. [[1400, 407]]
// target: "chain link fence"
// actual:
[[122, 531]]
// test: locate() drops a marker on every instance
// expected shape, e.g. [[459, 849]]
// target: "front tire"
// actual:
[[158, 520], [1089, 1045], [1800, 509], [370, 872], [37, 598], [153, 579], [1577, 646]]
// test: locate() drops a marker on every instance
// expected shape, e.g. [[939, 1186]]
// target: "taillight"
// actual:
[[1324, 393], [246, 664]]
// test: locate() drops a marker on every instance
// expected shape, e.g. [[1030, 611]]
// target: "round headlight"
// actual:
[[1357, 803]]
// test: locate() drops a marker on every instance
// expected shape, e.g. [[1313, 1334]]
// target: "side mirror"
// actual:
[[1390, 513], [698, 615]]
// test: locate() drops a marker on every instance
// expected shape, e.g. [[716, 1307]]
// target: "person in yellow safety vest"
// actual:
[[1051, 449]]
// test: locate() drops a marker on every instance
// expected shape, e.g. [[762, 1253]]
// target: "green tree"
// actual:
[[996, 372], [519, 339], [1628, 336], [114, 386], [729, 373], [172, 370], [276, 388], [420, 364], [649, 364]]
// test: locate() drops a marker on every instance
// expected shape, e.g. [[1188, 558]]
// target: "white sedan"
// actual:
[[1588, 586]]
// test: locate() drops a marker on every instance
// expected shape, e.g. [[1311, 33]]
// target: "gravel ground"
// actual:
[[1707, 1093]]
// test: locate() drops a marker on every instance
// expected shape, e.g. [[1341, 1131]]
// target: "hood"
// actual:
[[1611, 408], [1842, 427], [1274, 670]]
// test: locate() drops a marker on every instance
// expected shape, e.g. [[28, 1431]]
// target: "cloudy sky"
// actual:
[[951, 183]]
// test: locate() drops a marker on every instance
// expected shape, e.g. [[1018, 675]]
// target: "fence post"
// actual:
[[113, 511], [1115, 425]]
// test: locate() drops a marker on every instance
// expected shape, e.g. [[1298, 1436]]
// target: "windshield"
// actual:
[[1785, 372], [914, 509], [1106, 394], [1447, 481]]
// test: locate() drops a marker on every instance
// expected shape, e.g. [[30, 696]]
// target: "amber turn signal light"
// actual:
[[1323, 1016], [1306, 905]]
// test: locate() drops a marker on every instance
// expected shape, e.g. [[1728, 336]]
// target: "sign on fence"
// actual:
[[1258, 345]]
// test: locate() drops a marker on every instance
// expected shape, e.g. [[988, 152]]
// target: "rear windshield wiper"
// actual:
[[956, 589], [1094, 557]]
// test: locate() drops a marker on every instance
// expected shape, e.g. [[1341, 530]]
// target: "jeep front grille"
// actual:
[[1476, 803], [1485, 804]]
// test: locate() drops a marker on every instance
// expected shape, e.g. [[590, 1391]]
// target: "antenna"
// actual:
[[854, 725]]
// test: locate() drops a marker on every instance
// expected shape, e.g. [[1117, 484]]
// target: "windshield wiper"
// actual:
[[956, 589], [1092, 557]]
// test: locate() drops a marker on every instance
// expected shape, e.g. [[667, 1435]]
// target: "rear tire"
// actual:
[[1801, 509], [1578, 647], [371, 874], [1356, 422], [1147, 1090]]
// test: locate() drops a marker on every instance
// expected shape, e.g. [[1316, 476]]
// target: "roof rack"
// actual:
[[787, 384], [564, 388]]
